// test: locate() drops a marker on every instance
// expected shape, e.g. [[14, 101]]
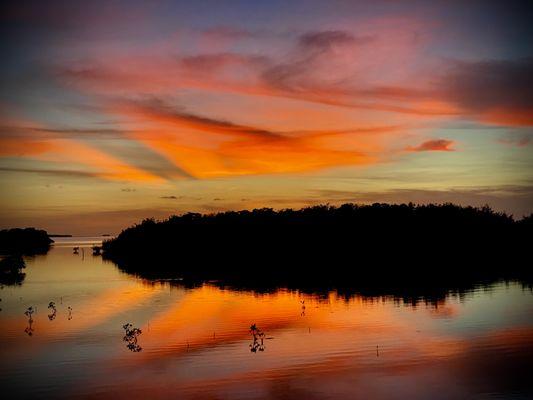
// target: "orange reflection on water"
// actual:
[[209, 316], [196, 342], [336, 342]]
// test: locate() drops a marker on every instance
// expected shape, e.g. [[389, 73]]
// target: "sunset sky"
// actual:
[[114, 111]]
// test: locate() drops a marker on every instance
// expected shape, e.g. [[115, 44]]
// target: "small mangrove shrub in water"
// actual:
[[131, 337], [53, 310], [28, 313], [258, 337]]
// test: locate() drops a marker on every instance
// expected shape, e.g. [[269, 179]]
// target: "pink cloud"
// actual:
[[433, 145]]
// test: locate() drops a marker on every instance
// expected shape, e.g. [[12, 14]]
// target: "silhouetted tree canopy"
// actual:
[[16, 242], [328, 245], [24, 241]]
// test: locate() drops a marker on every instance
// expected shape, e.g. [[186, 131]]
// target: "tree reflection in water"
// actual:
[[53, 309], [29, 329], [258, 338], [131, 337]]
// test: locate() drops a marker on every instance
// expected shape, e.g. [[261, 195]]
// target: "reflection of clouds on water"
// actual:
[[355, 345], [29, 329], [444, 311]]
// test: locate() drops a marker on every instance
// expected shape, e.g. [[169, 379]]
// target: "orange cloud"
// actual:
[[206, 147], [11, 147], [334, 67], [35, 142], [195, 145]]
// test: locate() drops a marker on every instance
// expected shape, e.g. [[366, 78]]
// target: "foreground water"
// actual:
[[196, 342]]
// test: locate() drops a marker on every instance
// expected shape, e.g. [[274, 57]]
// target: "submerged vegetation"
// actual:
[[330, 246]]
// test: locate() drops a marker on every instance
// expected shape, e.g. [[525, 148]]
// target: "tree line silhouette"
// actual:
[[15, 243], [329, 246], [24, 241]]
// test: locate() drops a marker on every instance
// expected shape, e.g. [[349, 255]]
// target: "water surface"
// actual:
[[196, 342]]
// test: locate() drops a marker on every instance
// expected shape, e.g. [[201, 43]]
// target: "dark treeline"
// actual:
[[18, 242], [328, 246], [24, 241]]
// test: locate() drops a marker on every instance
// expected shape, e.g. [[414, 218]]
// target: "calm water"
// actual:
[[196, 343]]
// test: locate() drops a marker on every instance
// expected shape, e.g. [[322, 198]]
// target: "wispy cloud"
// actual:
[[215, 147], [55, 172], [433, 145], [515, 140], [155, 109]]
